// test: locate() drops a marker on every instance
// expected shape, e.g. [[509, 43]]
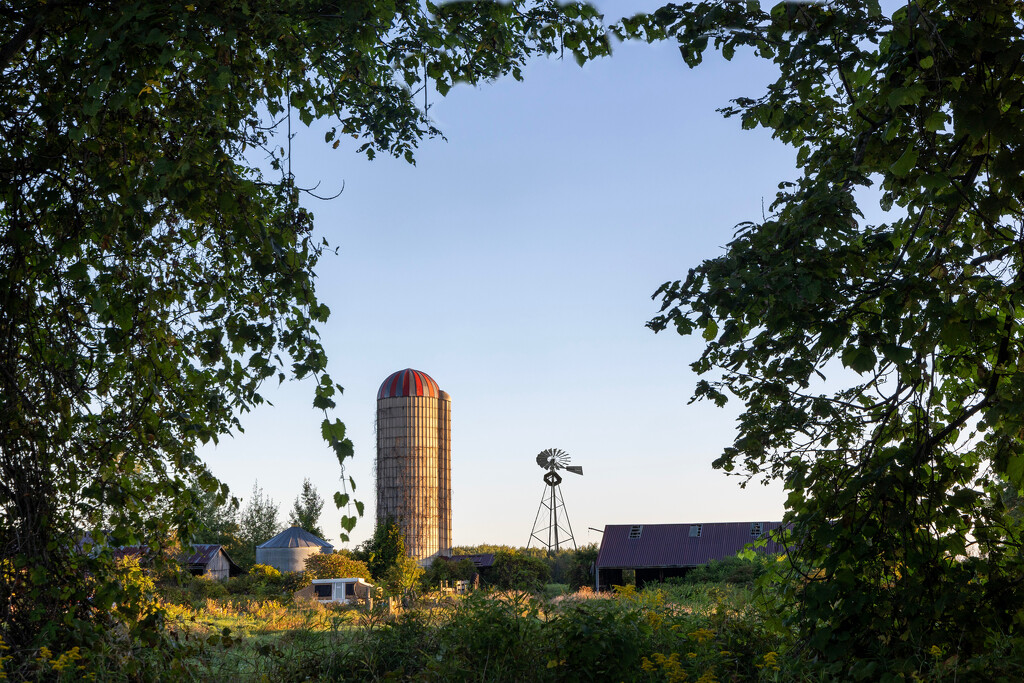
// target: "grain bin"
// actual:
[[287, 552], [414, 462]]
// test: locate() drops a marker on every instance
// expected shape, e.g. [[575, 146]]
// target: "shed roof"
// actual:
[[295, 537], [480, 560], [629, 546], [204, 554]]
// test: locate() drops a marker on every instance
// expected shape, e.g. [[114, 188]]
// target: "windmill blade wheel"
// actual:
[[553, 459]]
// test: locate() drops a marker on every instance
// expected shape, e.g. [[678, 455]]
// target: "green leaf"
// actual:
[[902, 166], [859, 359], [896, 353], [936, 121]]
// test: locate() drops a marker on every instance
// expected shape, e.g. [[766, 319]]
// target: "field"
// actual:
[[702, 632], [725, 622]]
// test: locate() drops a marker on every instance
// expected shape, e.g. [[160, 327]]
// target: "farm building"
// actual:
[[414, 462], [287, 552], [210, 560], [342, 591], [656, 552]]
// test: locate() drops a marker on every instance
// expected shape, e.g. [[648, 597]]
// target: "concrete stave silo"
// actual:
[[414, 461]]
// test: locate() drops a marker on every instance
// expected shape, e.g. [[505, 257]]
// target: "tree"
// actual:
[[580, 572], [257, 523], [876, 352], [444, 569], [334, 566], [381, 551], [515, 571], [306, 510], [215, 522], [402, 577], [151, 279]]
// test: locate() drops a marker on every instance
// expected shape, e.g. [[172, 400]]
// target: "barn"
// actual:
[[210, 560], [656, 552]]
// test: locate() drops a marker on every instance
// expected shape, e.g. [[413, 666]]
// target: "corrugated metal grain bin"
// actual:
[[287, 552]]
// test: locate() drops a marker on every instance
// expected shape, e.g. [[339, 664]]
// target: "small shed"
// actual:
[[656, 552], [484, 563], [210, 560], [340, 591], [287, 552]]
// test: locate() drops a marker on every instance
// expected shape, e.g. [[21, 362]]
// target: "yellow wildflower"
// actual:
[[935, 651], [702, 635], [770, 661], [707, 677], [691, 655]]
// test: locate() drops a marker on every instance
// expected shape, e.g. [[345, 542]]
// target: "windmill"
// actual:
[[554, 534]]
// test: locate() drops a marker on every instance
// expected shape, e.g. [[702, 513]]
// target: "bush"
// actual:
[[334, 566], [202, 588], [443, 569], [513, 571], [264, 573], [730, 570]]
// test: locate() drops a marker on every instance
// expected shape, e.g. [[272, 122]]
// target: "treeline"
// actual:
[[525, 568], [241, 525]]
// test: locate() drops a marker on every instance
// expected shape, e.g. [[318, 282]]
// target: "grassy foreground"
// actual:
[[702, 632]]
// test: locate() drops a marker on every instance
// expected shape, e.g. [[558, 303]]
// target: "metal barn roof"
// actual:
[[480, 560], [408, 382], [204, 554], [295, 537], [631, 546]]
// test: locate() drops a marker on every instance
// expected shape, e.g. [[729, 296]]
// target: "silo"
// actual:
[[287, 552], [414, 461]]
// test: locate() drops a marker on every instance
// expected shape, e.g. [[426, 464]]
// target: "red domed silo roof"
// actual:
[[408, 382]]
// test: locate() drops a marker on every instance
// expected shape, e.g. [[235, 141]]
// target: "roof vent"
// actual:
[[635, 531], [755, 529], [695, 530]]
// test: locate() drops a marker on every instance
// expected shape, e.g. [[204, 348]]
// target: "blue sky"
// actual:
[[515, 264]]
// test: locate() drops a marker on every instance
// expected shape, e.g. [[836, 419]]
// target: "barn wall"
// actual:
[[218, 568]]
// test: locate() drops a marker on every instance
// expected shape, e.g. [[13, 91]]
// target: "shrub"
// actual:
[[202, 588], [334, 566], [443, 569], [264, 573], [513, 571], [729, 570]]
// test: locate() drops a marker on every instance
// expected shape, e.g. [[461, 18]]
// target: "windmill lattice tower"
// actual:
[[554, 534]]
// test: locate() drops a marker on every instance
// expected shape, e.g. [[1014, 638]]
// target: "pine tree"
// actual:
[[307, 508]]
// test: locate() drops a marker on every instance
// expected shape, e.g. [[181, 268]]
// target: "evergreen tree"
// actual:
[[306, 510], [382, 551], [257, 524]]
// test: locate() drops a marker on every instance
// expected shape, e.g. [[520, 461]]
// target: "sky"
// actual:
[[515, 264]]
